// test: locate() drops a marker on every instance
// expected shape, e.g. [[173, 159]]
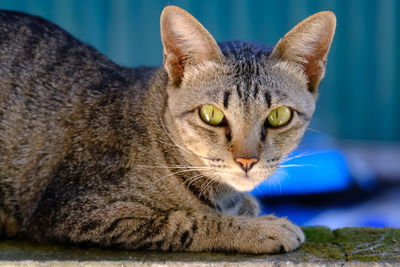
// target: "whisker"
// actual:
[[313, 130], [274, 181], [207, 186], [197, 177], [304, 154], [280, 172], [194, 178], [214, 179], [174, 173], [258, 190], [204, 186], [266, 169], [173, 167], [224, 173], [297, 165]]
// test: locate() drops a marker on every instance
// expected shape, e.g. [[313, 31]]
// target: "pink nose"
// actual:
[[246, 163]]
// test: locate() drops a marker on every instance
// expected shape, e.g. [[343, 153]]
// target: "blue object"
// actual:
[[307, 172]]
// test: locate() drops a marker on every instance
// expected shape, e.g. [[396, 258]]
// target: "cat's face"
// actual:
[[261, 105], [246, 100]]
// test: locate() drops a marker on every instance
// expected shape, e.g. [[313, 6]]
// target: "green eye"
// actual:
[[279, 116], [211, 115]]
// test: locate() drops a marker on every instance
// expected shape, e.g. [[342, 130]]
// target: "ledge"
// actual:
[[341, 247]]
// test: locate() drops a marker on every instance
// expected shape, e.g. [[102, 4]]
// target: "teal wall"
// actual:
[[360, 95]]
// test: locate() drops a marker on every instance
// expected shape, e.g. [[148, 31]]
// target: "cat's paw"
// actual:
[[289, 235], [269, 234], [285, 235]]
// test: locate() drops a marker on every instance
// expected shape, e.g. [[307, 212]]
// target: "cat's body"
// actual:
[[90, 151]]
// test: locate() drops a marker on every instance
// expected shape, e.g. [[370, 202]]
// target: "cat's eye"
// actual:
[[211, 115], [279, 116]]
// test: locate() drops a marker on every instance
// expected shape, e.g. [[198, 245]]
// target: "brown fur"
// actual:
[[94, 153]]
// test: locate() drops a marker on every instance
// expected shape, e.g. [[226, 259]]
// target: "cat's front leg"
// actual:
[[133, 226], [236, 203], [214, 232], [194, 231], [249, 206]]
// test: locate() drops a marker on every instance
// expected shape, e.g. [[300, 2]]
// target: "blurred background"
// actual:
[[347, 170]]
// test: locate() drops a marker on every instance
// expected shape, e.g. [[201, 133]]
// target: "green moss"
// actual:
[[349, 244], [369, 244], [319, 243], [318, 234]]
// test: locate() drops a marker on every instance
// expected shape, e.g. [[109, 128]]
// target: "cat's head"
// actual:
[[238, 108]]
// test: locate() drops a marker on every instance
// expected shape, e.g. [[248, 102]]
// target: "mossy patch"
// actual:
[[320, 243], [350, 244], [369, 244]]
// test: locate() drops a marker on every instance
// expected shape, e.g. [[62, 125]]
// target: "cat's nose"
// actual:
[[246, 163]]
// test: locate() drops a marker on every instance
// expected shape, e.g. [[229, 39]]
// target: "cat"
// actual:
[[156, 158]]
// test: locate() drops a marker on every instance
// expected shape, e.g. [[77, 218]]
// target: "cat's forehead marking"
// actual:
[[256, 90], [246, 80], [267, 97], [239, 91], [246, 62], [226, 98], [245, 72]]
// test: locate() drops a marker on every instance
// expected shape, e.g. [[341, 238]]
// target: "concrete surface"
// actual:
[[324, 247]]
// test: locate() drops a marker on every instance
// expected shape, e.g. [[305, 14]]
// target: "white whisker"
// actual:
[[304, 154], [297, 165], [174, 173], [173, 167], [313, 130], [197, 177], [275, 181], [208, 185]]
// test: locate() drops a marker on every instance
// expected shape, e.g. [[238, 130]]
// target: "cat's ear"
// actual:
[[186, 42], [307, 44]]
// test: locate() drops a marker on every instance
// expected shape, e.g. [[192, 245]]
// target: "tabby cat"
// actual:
[[151, 158]]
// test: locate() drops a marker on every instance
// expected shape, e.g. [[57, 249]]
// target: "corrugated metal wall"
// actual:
[[360, 96]]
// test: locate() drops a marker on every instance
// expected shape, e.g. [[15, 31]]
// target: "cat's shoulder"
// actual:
[[15, 22]]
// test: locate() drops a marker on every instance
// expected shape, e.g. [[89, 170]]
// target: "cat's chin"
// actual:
[[243, 183]]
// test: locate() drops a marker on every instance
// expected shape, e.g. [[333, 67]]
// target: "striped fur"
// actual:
[[97, 154]]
